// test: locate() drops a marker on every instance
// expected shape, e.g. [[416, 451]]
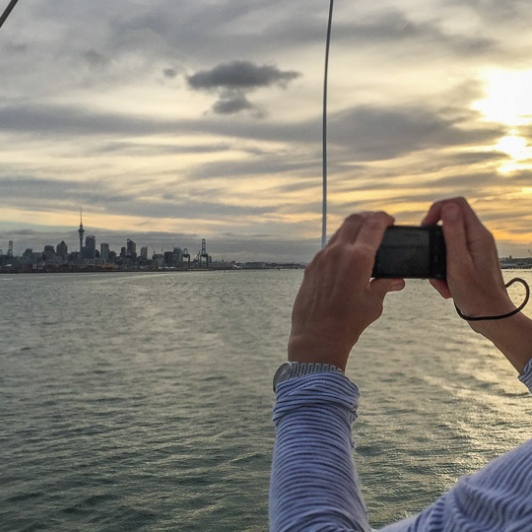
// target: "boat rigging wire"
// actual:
[[7, 12], [324, 143]]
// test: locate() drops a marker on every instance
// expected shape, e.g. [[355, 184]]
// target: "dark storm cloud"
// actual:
[[234, 80]]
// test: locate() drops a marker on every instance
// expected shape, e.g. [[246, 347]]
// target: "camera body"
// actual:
[[411, 252]]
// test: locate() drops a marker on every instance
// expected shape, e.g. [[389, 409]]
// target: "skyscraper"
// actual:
[[104, 251], [81, 231], [62, 251], [89, 251], [131, 249]]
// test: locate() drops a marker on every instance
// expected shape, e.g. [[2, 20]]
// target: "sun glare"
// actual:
[[508, 101], [508, 97]]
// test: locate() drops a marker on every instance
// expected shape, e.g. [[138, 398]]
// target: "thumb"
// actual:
[[380, 287]]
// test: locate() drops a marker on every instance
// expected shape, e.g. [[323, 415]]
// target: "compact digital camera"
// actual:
[[411, 252]]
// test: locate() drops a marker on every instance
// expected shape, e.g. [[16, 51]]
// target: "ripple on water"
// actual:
[[138, 402]]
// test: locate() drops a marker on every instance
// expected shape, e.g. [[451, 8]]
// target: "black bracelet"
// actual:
[[500, 316]]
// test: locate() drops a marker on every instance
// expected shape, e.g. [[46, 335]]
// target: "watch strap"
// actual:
[[291, 370]]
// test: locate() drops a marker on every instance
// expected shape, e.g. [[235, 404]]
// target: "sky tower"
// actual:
[[81, 230]]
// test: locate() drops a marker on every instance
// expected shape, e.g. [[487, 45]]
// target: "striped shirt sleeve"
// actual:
[[314, 485]]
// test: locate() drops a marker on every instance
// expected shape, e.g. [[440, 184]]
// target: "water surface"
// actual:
[[143, 401]]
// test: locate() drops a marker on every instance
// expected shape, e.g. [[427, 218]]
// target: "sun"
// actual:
[[508, 97], [508, 101]]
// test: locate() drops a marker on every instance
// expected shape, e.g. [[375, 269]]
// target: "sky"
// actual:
[[167, 122]]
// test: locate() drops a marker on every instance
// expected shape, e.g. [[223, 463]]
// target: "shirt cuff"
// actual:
[[316, 389], [526, 377]]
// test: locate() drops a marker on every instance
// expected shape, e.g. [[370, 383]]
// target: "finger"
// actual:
[[363, 250], [434, 214], [372, 230], [441, 287], [456, 240], [380, 287], [337, 233], [350, 227]]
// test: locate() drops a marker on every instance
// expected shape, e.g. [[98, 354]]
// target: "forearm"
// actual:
[[512, 336], [314, 482]]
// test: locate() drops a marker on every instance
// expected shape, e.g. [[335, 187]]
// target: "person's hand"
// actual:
[[475, 282], [337, 299], [474, 278]]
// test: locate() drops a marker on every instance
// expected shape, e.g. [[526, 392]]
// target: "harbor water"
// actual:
[[143, 401]]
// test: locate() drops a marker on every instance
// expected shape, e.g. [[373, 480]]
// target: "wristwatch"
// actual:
[[290, 370]]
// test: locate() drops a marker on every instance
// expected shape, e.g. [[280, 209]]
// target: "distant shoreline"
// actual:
[[151, 270], [183, 270]]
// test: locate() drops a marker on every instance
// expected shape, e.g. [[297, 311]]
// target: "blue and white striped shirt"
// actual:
[[314, 485]]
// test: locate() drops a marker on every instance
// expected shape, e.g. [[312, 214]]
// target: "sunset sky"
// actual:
[[172, 121]]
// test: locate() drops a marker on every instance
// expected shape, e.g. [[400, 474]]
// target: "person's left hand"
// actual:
[[338, 299]]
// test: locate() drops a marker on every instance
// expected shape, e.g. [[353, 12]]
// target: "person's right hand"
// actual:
[[474, 278], [475, 282]]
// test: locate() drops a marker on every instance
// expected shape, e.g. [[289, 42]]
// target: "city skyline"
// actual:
[[92, 246], [224, 249], [203, 120], [131, 247]]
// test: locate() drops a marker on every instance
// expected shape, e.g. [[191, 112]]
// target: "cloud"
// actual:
[[234, 80], [106, 106], [51, 195], [231, 102], [241, 75], [494, 10], [170, 73], [94, 58], [373, 133], [398, 27]]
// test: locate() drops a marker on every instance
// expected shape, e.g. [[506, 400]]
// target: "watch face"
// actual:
[[282, 373]]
